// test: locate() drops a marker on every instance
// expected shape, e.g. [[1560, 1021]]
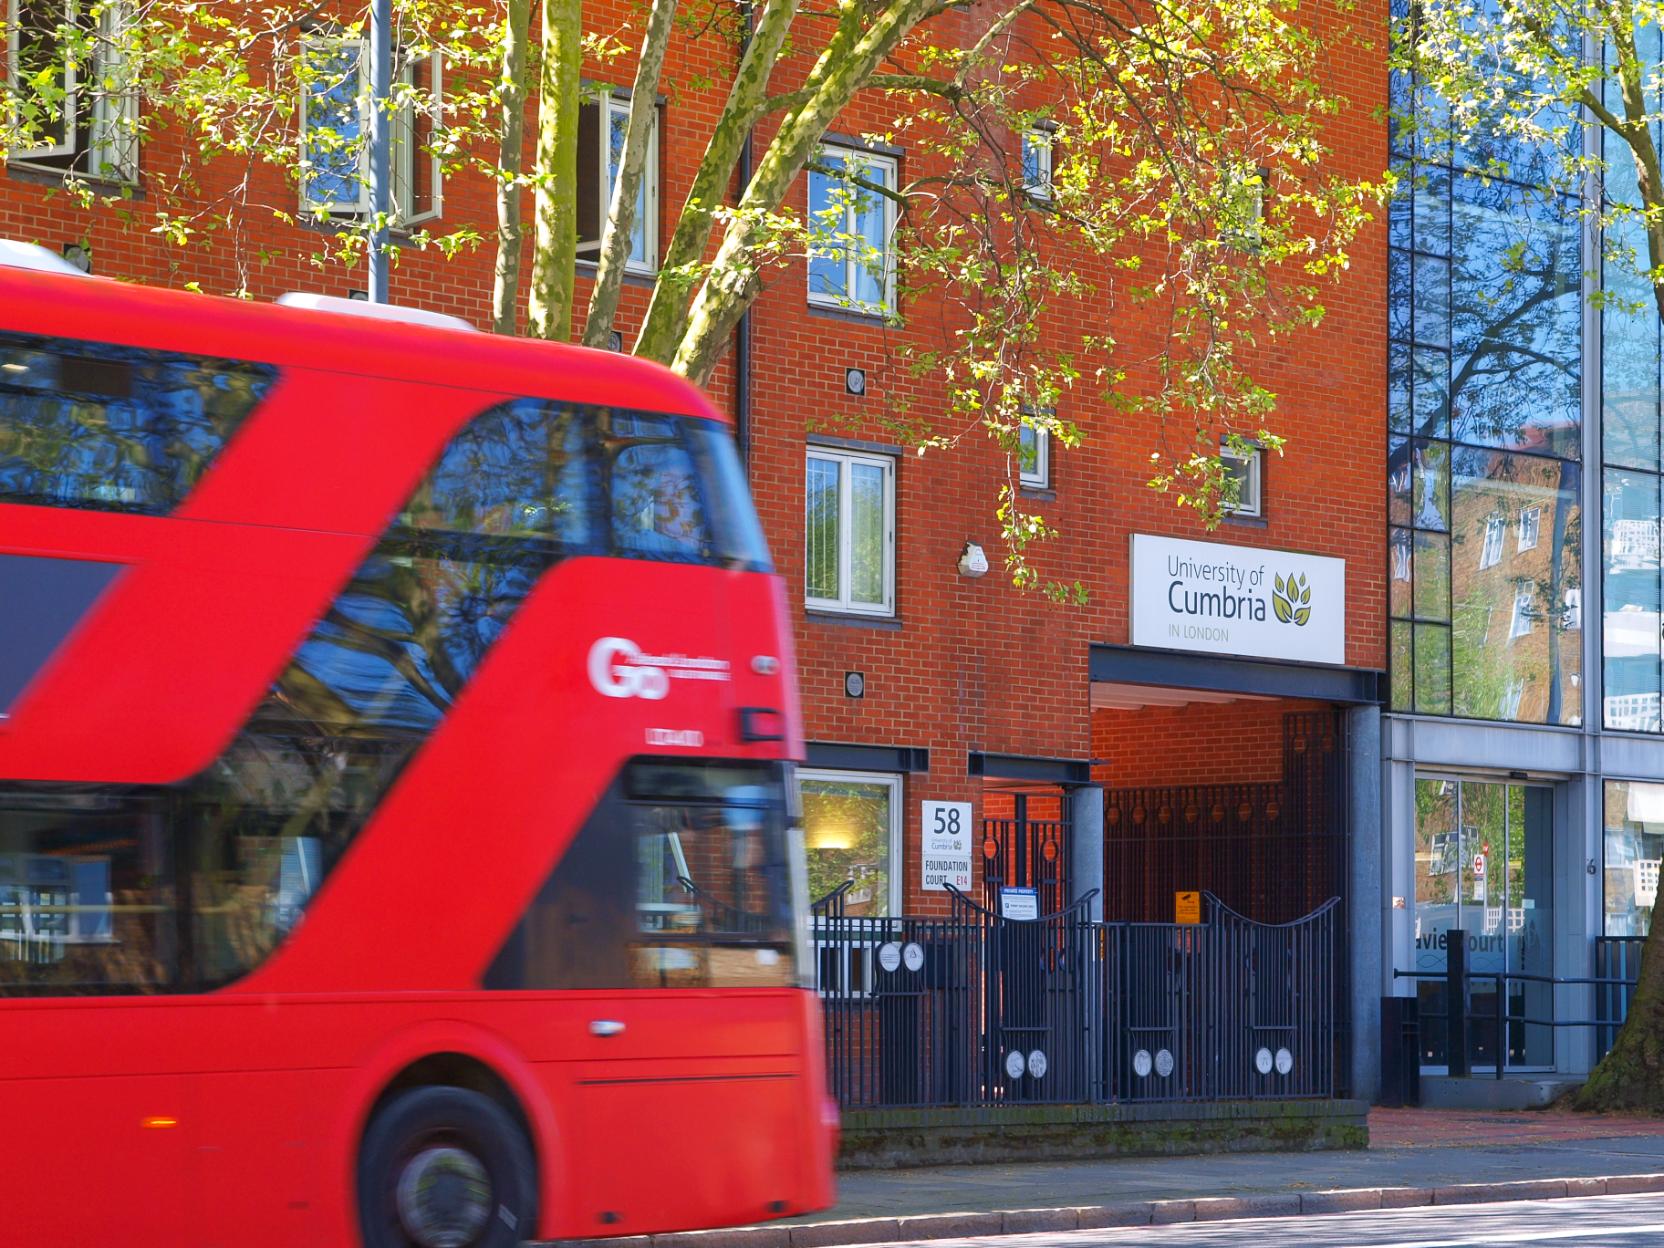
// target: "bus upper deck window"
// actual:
[[658, 509]]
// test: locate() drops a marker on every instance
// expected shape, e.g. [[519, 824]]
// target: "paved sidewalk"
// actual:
[[1409, 1148], [1415, 1158]]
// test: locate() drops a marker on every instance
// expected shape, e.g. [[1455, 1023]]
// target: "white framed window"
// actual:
[[852, 838], [1248, 471], [849, 532], [335, 107], [1491, 553], [601, 129], [1531, 523], [1520, 624], [1037, 163], [1034, 458], [86, 126], [852, 228]]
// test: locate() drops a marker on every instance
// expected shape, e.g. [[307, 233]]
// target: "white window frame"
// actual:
[[404, 151], [1039, 141], [867, 161], [112, 136], [1040, 477], [1520, 624], [844, 604], [72, 99], [608, 103], [857, 961], [1253, 473], [1531, 520], [1496, 531]]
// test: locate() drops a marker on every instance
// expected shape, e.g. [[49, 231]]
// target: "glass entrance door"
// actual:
[[1484, 874]]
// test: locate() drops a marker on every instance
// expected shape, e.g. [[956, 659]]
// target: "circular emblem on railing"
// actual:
[[990, 848], [1048, 851], [1272, 810], [1014, 1064], [889, 956], [1037, 1064], [1245, 812], [912, 957], [1285, 1061], [1262, 1061], [1164, 1063], [1141, 1063]]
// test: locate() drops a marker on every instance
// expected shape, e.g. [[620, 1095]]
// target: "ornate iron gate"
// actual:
[[923, 1012], [1029, 848]]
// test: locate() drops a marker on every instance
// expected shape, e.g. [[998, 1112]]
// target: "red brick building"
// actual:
[[1089, 757]]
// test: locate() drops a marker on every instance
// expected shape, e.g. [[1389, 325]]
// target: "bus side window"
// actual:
[[658, 511], [87, 896], [521, 469], [91, 425]]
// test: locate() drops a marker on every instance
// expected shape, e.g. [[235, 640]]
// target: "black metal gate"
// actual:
[[1273, 850], [1028, 849], [980, 1010]]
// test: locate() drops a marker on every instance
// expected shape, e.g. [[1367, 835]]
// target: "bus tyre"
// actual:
[[445, 1168]]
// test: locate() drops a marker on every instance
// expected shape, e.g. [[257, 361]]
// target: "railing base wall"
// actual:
[[877, 1138]]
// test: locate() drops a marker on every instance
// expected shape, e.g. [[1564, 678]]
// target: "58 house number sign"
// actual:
[[947, 846]]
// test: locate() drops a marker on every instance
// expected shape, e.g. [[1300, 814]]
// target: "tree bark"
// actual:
[[616, 234], [666, 318], [733, 280], [505, 283], [1631, 1076], [556, 203]]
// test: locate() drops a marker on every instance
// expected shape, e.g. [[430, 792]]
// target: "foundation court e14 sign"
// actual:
[[1268, 604]]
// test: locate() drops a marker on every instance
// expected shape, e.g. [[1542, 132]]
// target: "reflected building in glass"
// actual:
[[1524, 751]]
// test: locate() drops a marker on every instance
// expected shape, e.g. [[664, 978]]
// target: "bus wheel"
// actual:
[[445, 1168]]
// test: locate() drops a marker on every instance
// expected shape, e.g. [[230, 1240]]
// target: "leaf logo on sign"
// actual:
[[1291, 599]]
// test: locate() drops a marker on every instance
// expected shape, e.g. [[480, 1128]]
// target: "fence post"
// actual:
[[1456, 1000]]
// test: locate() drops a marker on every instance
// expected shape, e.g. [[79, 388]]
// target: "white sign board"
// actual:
[[1219, 599], [947, 846], [1019, 903]]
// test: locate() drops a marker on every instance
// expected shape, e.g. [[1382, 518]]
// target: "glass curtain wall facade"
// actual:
[[1630, 448], [1485, 431]]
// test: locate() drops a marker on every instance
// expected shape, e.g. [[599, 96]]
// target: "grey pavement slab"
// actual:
[[1058, 1184]]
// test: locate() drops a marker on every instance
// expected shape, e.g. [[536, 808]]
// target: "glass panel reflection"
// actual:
[[1630, 615], [1516, 581], [1516, 319]]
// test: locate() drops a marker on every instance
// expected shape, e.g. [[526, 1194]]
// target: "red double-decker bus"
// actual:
[[396, 833]]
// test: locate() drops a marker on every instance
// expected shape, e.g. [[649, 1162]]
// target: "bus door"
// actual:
[[675, 907]]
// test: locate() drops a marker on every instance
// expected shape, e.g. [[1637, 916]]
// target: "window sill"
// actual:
[[854, 316], [1245, 522], [53, 175], [1037, 493], [839, 619], [336, 223], [645, 278]]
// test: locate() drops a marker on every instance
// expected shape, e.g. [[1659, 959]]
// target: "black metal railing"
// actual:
[[1494, 1037], [979, 1010]]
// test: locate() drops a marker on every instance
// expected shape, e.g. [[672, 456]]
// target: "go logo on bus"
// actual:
[[618, 668], [616, 671]]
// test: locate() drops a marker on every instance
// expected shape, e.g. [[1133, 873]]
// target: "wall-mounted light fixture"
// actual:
[[855, 685], [972, 560], [855, 380], [79, 256]]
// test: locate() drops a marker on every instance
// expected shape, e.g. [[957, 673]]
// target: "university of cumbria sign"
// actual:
[[1218, 599]]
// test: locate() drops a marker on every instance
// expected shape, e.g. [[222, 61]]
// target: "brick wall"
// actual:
[[967, 664]]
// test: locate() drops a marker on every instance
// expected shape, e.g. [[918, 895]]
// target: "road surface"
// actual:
[[1585, 1222]]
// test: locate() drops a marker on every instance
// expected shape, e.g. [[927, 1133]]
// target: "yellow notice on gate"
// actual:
[[1187, 907]]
